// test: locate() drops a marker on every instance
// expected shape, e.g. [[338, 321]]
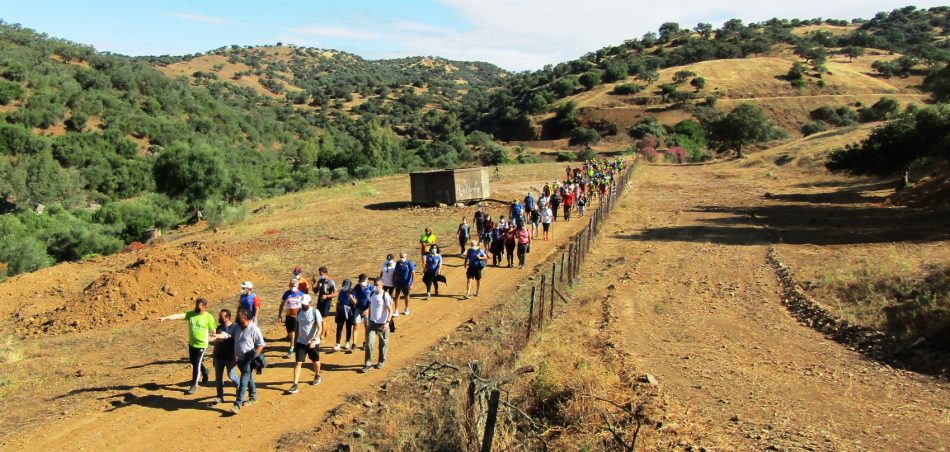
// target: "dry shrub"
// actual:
[[9, 352]]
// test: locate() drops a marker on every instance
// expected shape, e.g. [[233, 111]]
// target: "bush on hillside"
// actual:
[[884, 108], [627, 88], [648, 126], [744, 125], [586, 154], [582, 136], [839, 117], [566, 156], [814, 127]]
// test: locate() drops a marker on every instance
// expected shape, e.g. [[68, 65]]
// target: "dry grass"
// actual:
[[9, 351]]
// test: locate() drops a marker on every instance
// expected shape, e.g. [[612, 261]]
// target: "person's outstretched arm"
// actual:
[[179, 316]]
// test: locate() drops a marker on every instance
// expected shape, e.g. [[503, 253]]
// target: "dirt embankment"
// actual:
[[158, 281]]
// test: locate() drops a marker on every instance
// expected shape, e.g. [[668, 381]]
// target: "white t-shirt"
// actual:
[[380, 304], [546, 216], [307, 321], [388, 273]]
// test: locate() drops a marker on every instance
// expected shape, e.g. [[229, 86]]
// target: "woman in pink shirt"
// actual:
[[523, 236]]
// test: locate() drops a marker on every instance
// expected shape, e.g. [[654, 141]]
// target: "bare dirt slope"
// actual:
[[121, 384], [703, 314]]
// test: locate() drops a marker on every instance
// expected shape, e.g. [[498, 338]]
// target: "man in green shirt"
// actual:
[[201, 326]]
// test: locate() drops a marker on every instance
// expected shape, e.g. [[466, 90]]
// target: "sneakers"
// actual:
[[191, 390], [293, 390], [379, 365], [428, 296], [290, 352], [406, 312], [347, 348], [396, 314], [236, 409], [476, 293], [217, 401], [249, 402], [465, 297], [365, 369], [316, 381], [336, 347]]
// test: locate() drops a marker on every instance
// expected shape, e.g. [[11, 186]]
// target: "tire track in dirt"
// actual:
[[704, 315]]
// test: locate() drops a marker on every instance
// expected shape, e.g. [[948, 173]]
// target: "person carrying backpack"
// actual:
[[498, 245], [431, 269], [405, 274], [546, 218], [555, 203], [345, 312], [475, 262]]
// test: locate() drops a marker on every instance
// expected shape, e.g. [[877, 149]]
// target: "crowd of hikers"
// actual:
[[373, 303]]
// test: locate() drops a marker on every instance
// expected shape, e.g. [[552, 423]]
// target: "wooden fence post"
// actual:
[[493, 400], [570, 266], [553, 288], [560, 277], [531, 313]]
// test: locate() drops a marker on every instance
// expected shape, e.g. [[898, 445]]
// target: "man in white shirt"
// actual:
[[248, 345], [309, 324], [378, 316]]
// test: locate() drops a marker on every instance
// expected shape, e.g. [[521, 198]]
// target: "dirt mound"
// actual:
[[934, 192], [160, 281]]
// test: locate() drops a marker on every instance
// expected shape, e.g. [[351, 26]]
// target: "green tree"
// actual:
[[698, 83], [938, 84], [744, 125], [582, 136], [682, 75], [853, 52], [590, 79], [9, 91], [704, 30], [565, 117], [194, 174]]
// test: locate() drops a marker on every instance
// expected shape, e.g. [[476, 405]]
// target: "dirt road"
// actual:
[[703, 314], [145, 408]]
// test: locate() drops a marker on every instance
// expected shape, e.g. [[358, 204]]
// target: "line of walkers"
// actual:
[[373, 303]]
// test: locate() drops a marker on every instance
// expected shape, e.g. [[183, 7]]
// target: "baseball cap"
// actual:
[[306, 300], [298, 270], [247, 285], [347, 284]]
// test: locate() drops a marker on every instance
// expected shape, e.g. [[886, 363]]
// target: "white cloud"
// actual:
[[526, 34], [214, 20], [336, 32]]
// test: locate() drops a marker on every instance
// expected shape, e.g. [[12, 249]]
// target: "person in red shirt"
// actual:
[[568, 204], [523, 237], [511, 240]]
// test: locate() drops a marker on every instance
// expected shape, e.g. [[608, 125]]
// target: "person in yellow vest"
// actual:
[[426, 241]]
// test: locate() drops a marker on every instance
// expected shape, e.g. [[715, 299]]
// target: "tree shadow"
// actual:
[[806, 224], [389, 206], [847, 195], [160, 362]]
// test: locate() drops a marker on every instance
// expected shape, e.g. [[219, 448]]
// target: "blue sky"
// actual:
[[514, 34]]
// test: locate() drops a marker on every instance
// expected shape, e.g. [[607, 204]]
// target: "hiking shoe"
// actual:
[[316, 381], [427, 295], [365, 369], [236, 409], [217, 401], [406, 312], [249, 402], [293, 389], [396, 314], [476, 294], [191, 390], [379, 365], [290, 353], [336, 347]]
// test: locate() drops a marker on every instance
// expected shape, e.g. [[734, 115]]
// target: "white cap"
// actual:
[[247, 285], [306, 300]]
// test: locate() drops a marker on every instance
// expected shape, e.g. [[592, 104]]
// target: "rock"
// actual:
[[734, 418], [459, 204], [369, 403], [649, 379], [359, 433]]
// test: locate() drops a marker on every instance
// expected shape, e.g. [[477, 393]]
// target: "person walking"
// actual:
[[201, 327], [463, 234], [223, 355], [546, 218], [488, 226], [248, 347], [387, 274], [309, 324], [426, 240], [529, 204], [555, 203], [498, 245], [568, 204], [303, 284], [475, 261], [378, 316], [511, 240], [287, 312], [345, 311], [517, 213], [535, 223], [405, 275], [479, 220], [325, 290], [361, 292], [431, 269], [250, 300], [523, 237]]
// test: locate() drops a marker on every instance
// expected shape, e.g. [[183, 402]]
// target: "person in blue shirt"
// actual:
[[529, 202], [345, 309], [517, 213], [431, 271], [475, 261], [405, 271], [361, 293]]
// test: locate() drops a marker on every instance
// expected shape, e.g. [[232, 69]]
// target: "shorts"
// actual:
[[402, 290], [389, 289], [474, 273], [323, 306], [290, 323], [303, 351], [546, 226], [355, 320]]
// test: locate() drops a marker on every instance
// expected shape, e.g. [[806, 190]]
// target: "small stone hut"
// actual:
[[449, 186]]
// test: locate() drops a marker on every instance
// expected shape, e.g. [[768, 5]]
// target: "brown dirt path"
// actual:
[[704, 315], [149, 410]]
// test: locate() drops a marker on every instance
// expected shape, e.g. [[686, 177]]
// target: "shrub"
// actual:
[[586, 154], [813, 127], [582, 136], [650, 154], [194, 174], [676, 154], [566, 156], [799, 83], [220, 213], [648, 126], [627, 88], [493, 155], [9, 92], [884, 108], [22, 254]]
